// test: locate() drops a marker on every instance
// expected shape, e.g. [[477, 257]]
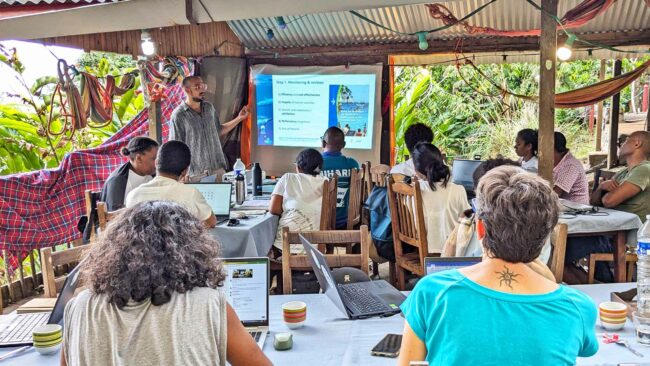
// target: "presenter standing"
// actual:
[[195, 122]]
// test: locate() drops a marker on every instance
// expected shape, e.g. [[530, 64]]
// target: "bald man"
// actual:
[[629, 189], [334, 162]]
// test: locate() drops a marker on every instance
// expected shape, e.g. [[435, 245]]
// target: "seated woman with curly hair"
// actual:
[[154, 297], [500, 311]]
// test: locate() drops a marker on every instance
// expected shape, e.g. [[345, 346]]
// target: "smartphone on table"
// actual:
[[388, 347]]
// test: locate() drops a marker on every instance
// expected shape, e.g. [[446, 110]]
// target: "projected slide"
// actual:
[[295, 110]]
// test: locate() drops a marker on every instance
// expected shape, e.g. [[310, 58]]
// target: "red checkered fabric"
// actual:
[[41, 209]]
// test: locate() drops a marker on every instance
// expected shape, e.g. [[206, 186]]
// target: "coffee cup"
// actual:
[[294, 314], [613, 315]]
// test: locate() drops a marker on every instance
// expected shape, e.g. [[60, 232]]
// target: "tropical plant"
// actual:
[[30, 120]]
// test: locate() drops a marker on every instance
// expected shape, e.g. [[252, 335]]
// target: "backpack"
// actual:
[[381, 228]]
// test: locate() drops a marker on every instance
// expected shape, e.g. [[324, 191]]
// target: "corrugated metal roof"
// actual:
[[343, 28], [24, 2]]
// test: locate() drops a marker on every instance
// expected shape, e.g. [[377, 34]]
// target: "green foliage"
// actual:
[[25, 144], [469, 115]]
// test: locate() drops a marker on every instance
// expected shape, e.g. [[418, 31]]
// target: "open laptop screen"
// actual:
[[247, 289], [462, 172], [439, 264], [217, 195]]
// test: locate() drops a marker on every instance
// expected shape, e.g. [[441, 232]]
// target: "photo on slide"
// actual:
[[349, 108], [264, 84], [242, 273]]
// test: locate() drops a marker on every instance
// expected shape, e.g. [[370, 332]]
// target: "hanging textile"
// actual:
[[582, 97], [41, 208], [593, 94], [574, 18]]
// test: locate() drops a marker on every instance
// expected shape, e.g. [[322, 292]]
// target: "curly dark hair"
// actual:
[[150, 251]]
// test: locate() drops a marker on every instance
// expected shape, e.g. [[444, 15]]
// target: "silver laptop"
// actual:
[[356, 300], [218, 196], [19, 331], [247, 289], [439, 264]]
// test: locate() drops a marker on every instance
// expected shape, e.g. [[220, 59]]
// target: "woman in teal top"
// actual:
[[501, 312]]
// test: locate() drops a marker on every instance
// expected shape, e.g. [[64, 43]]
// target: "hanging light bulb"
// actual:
[[564, 52], [269, 34], [148, 47], [280, 22], [422, 40]]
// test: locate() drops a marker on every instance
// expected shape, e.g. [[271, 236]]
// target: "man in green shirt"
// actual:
[[629, 189]]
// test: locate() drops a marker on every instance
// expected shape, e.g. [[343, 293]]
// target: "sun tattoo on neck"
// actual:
[[506, 277]]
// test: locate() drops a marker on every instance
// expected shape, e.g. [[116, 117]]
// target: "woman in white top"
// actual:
[[154, 297], [442, 201], [526, 149], [297, 197]]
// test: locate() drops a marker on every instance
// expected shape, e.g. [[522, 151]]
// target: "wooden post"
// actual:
[[612, 156], [548, 48], [155, 124], [601, 112]]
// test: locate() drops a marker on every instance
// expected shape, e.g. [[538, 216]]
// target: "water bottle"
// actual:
[[240, 168], [643, 268], [257, 180], [240, 189]]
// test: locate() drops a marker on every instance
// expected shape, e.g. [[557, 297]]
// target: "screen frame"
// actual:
[[265, 155], [256, 260]]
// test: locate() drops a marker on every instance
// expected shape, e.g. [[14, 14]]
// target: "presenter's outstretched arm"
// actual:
[[228, 126]]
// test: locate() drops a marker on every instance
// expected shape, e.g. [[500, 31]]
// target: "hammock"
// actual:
[[574, 18], [588, 95]]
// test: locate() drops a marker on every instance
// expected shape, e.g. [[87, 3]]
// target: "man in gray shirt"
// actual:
[[195, 122]]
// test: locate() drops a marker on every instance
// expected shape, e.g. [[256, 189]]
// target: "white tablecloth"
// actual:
[[253, 237], [330, 339], [606, 220]]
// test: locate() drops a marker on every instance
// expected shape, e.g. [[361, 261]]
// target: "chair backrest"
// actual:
[[104, 216], [51, 260], [336, 237], [91, 198], [407, 217], [558, 242], [378, 175], [328, 207], [354, 198]]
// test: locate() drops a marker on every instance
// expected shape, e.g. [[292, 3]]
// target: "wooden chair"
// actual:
[[334, 237], [91, 198], [328, 207], [104, 216], [558, 242], [51, 260], [408, 228], [354, 198], [630, 259], [378, 175]]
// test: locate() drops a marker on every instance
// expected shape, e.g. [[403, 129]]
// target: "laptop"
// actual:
[[218, 196], [19, 331], [462, 172], [439, 264], [247, 289], [356, 300]]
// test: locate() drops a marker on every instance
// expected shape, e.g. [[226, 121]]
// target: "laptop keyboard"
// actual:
[[362, 299], [20, 330], [256, 335]]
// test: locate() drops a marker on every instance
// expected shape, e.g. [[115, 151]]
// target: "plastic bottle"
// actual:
[[240, 168], [240, 189], [643, 268], [257, 180]]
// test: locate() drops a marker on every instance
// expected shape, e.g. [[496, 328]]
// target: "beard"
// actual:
[[198, 99]]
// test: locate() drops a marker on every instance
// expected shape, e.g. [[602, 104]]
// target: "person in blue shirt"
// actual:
[[334, 162], [500, 311]]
